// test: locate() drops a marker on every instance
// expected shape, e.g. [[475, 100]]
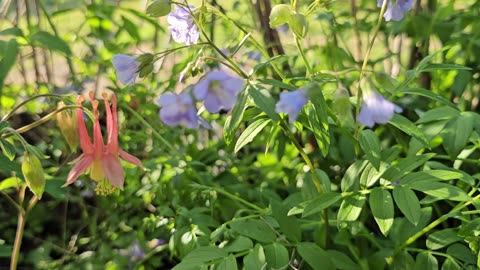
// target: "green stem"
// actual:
[[157, 135], [8, 115], [22, 218], [42, 120], [362, 72], [231, 196], [435, 223], [305, 60]]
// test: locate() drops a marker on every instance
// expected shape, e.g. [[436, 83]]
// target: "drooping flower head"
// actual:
[[178, 110], [182, 26], [218, 90], [395, 9], [292, 103], [126, 67], [102, 161], [376, 109]]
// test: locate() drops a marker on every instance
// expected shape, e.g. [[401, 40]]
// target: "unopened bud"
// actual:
[[67, 122], [298, 24], [144, 70], [145, 58], [279, 15], [159, 8], [343, 107], [33, 172]]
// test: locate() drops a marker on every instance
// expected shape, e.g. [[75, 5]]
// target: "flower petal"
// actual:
[[130, 159], [113, 170], [84, 161]]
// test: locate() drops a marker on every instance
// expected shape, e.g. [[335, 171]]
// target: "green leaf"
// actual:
[[315, 256], [288, 224], [426, 261], [229, 263], [453, 140], [14, 31], [51, 42], [255, 229], [433, 67], [381, 204], [240, 243], [276, 83], [264, 101], [371, 146], [200, 256], [9, 54], [438, 114], [441, 190], [318, 119], [443, 238], [462, 253], [351, 208], [277, 256], [341, 261], [427, 93], [451, 264], [430, 176], [405, 166], [321, 202], [235, 119], [8, 149], [409, 128], [408, 203], [255, 260], [251, 132], [350, 179], [6, 165], [9, 183]]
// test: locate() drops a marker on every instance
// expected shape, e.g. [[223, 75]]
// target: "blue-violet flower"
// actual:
[[218, 90], [292, 103], [395, 9], [178, 110], [376, 109], [182, 26], [126, 67]]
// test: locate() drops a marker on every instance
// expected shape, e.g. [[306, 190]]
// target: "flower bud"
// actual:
[[343, 107], [33, 172], [279, 15], [298, 24], [144, 70], [67, 123], [145, 58], [159, 8]]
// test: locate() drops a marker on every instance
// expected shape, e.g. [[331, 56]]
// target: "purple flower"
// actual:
[[182, 26], [292, 103], [126, 68], [178, 110], [376, 109], [254, 55], [218, 90], [395, 10]]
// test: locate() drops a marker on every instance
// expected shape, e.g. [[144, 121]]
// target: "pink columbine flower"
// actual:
[[102, 161]]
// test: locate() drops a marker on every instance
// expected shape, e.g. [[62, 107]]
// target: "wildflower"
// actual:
[[376, 109], [178, 109], [182, 26], [395, 10], [101, 160], [218, 90], [126, 67], [292, 103]]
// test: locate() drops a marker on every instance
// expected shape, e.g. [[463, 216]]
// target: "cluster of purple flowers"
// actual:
[[217, 90]]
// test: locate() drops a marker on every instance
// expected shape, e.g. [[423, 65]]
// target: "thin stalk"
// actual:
[[231, 196], [9, 114], [305, 60], [435, 223], [364, 68]]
